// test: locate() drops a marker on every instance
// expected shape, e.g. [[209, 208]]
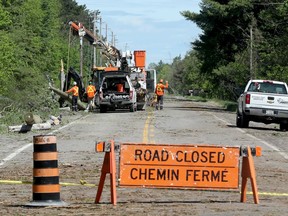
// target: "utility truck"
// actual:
[[116, 92], [119, 68]]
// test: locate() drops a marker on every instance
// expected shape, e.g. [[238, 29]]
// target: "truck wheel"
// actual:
[[242, 121], [133, 107], [140, 106], [283, 127], [103, 109]]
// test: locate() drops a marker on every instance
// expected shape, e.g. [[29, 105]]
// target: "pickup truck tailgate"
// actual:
[[267, 101]]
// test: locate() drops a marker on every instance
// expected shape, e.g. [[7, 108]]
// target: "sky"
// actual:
[[152, 25]]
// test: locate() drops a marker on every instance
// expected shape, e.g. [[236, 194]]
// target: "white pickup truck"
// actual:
[[263, 101]]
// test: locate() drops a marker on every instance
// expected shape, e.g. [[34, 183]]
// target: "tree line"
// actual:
[[240, 40], [34, 37]]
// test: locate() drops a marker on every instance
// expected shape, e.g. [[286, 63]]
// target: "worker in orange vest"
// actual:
[[90, 91], [75, 93], [160, 93]]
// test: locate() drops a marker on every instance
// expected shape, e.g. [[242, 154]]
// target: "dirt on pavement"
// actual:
[[80, 170]]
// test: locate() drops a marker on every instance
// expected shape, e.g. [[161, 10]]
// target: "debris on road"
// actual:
[[25, 127], [34, 122], [31, 119]]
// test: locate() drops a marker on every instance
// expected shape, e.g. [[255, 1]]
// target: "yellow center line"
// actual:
[[151, 134], [148, 131]]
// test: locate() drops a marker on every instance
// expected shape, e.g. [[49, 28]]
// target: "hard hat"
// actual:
[[90, 82], [74, 83], [161, 80]]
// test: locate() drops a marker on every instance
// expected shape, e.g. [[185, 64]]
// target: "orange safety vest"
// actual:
[[160, 89], [74, 90], [90, 90]]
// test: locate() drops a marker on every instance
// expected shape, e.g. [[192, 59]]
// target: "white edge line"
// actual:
[[14, 154], [18, 151], [258, 139]]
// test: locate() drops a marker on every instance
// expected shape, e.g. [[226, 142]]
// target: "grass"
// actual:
[[13, 113], [197, 98], [227, 105]]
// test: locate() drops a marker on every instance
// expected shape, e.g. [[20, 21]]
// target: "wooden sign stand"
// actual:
[[109, 166], [248, 171]]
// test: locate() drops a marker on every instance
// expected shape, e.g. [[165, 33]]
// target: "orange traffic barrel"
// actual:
[[46, 187]]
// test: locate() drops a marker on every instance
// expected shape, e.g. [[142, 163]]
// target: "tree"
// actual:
[[33, 41], [7, 49], [232, 31]]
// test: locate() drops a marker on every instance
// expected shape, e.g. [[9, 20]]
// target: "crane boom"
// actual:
[[109, 51]]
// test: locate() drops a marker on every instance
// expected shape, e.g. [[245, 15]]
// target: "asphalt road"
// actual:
[[181, 122]]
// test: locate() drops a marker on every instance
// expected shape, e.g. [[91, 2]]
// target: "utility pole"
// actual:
[[101, 40], [95, 42], [81, 33], [251, 53], [62, 76], [112, 39], [106, 35]]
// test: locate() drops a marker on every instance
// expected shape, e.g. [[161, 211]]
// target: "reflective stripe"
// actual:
[[45, 172], [75, 92], [160, 89], [46, 188], [90, 89]]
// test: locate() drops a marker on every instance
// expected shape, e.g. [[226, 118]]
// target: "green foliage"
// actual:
[[7, 50], [241, 39], [34, 37]]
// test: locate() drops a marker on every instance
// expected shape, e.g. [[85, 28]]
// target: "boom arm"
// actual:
[[111, 52]]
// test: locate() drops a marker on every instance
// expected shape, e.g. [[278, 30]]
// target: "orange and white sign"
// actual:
[[186, 166]]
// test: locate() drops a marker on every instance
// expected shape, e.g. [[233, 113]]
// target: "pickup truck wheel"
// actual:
[[283, 127], [242, 121], [140, 107], [103, 109], [133, 107]]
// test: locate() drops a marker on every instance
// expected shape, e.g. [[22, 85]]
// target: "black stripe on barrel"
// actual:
[[46, 164], [45, 148], [46, 197], [46, 180]]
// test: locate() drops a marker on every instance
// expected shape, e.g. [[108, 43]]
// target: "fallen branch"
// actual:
[[25, 127]]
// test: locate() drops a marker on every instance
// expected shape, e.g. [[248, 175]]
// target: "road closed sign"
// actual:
[[186, 166]]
